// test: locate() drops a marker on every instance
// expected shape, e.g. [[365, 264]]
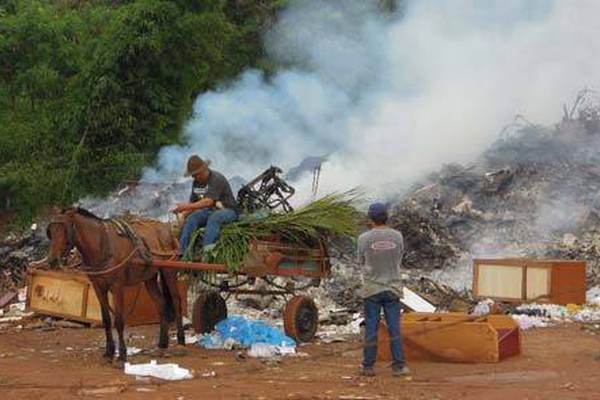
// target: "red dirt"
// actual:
[[557, 363]]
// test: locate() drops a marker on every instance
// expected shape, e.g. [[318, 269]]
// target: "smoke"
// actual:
[[390, 97]]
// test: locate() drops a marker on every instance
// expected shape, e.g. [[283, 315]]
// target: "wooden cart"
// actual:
[[265, 260]]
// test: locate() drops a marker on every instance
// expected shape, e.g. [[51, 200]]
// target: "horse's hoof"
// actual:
[[163, 353], [179, 351], [119, 364]]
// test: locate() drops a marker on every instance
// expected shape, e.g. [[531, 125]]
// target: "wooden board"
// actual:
[[71, 296]]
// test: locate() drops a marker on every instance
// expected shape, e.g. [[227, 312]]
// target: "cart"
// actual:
[[266, 260]]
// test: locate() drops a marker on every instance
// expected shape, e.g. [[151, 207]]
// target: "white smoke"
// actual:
[[390, 97]]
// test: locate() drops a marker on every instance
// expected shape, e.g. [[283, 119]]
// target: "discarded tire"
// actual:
[[301, 318], [209, 309]]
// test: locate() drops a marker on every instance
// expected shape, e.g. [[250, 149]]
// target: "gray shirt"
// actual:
[[380, 251], [216, 188]]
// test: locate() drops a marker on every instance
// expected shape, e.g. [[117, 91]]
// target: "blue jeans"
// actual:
[[390, 303], [206, 217]]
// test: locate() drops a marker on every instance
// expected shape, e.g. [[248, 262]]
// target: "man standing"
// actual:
[[211, 204], [380, 251]]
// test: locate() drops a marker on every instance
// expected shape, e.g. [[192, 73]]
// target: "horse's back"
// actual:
[[158, 236]]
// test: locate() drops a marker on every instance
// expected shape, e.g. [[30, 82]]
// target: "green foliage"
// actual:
[[91, 90], [332, 215]]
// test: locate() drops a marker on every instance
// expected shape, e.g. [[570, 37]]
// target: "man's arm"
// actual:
[[360, 251], [189, 207]]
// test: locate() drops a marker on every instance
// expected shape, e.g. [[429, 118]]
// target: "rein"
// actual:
[[114, 267]]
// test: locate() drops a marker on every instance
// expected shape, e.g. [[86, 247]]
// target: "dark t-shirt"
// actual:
[[216, 188]]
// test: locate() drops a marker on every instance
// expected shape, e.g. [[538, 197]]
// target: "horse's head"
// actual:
[[60, 231]]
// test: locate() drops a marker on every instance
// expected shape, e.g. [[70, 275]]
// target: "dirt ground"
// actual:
[[556, 363]]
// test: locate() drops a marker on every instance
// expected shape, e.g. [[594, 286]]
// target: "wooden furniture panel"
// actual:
[[530, 280]]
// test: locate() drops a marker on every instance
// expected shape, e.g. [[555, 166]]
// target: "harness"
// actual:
[[122, 228]]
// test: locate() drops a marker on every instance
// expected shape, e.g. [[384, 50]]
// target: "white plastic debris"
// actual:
[[416, 302], [595, 301], [528, 322], [263, 350], [211, 374], [170, 372], [593, 296], [131, 351], [191, 339], [23, 295], [541, 315], [482, 308]]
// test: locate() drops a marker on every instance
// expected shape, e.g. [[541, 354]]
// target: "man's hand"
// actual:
[[179, 208]]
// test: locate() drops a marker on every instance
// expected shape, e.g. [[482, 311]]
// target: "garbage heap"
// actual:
[[17, 251], [534, 193]]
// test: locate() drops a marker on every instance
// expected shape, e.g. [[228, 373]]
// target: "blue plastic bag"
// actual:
[[247, 332]]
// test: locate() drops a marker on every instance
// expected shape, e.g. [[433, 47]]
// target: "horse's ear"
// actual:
[[56, 210]]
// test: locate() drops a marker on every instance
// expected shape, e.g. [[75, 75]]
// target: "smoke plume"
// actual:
[[389, 97]]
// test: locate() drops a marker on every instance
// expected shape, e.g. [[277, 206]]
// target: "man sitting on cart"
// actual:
[[211, 204]]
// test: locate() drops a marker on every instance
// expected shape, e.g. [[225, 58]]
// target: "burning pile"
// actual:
[[534, 193]]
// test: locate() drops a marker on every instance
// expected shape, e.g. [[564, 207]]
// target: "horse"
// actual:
[[107, 248]]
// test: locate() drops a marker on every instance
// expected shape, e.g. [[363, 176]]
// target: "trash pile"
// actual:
[[535, 193], [534, 315], [16, 253], [12, 307]]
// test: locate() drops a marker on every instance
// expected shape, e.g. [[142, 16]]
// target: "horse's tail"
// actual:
[[168, 296]]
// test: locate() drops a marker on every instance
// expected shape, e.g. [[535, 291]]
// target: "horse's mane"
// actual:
[[83, 212]]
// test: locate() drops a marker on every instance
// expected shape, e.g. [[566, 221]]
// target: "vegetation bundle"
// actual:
[[332, 215]]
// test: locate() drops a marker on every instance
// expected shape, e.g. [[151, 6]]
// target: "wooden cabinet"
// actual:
[[530, 280], [71, 296]]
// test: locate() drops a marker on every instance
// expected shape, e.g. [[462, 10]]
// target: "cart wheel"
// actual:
[[301, 318], [209, 309]]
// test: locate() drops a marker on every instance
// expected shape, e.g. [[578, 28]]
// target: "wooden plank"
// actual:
[[8, 298]]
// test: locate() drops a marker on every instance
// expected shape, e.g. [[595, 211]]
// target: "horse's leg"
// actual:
[[170, 278], [157, 296], [102, 294], [120, 323]]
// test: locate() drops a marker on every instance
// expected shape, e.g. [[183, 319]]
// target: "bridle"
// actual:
[[69, 228]]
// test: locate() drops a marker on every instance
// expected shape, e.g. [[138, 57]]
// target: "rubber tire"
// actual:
[[301, 319], [209, 309]]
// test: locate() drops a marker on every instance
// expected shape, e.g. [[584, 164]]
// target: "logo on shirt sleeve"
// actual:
[[383, 245]]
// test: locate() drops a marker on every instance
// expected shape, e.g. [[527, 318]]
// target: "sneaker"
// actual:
[[367, 371], [208, 253], [404, 371]]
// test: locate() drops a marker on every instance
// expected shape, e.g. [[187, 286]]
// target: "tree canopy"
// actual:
[[91, 90]]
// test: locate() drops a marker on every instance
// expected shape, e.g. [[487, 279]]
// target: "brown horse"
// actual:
[[107, 247]]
